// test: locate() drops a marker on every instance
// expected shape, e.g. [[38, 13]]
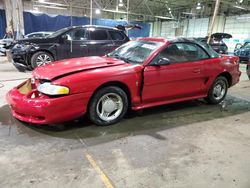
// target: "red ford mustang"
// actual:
[[140, 74]]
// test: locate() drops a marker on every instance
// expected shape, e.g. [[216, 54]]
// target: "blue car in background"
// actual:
[[243, 51]]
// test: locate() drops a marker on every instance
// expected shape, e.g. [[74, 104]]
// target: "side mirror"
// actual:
[[162, 61]]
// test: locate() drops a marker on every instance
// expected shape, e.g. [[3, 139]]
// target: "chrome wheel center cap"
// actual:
[[109, 106]]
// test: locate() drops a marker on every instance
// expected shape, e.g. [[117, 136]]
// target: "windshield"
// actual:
[[135, 51], [247, 45], [57, 33]]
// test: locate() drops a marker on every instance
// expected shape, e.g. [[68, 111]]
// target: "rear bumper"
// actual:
[[236, 77], [44, 110]]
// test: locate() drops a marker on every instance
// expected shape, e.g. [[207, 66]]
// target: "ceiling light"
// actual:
[[97, 11], [165, 18], [188, 13], [239, 7], [243, 18], [41, 1], [120, 4], [52, 7]]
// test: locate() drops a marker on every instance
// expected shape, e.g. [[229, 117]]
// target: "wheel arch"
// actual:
[[42, 50], [228, 76], [34, 52], [119, 84]]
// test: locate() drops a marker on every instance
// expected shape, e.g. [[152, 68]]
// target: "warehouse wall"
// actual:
[[239, 27], [197, 27]]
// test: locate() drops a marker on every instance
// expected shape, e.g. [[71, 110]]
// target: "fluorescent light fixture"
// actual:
[[120, 4], [35, 10], [97, 11], [188, 13], [239, 7], [52, 7], [243, 17], [198, 7], [50, 3], [164, 17]]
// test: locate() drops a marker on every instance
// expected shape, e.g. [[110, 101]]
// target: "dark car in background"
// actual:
[[243, 51], [76, 41], [217, 43], [5, 43]]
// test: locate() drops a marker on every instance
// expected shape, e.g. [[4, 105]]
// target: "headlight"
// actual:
[[22, 46], [50, 89]]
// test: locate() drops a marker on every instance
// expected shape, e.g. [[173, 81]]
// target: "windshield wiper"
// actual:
[[119, 57]]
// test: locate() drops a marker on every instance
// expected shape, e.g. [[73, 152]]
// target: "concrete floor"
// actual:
[[189, 144]]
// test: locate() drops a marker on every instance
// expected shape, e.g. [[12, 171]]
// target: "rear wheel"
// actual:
[[41, 58], [248, 71], [108, 106], [218, 91]]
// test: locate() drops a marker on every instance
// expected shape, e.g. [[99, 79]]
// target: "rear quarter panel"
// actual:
[[223, 64]]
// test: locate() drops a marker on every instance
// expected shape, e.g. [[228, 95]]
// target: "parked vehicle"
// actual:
[[143, 73], [217, 42], [5, 43], [40, 34], [77, 41], [243, 51]]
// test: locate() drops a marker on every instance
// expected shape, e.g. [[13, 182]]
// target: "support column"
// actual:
[[219, 24], [157, 29], [14, 16]]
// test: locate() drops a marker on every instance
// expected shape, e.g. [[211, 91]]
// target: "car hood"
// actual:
[[70, 66], [35, 40]]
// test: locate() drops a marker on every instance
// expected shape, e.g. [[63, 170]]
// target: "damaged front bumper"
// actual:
[[29, 105]]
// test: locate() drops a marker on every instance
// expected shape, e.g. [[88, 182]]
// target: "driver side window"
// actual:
[[76, 34], [182, 52]]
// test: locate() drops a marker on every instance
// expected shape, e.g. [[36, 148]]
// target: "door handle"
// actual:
[[197, 71]]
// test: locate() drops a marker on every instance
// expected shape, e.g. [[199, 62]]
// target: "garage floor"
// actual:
[[189, 144]]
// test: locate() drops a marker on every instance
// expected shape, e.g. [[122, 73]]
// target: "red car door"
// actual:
[[182, 78]]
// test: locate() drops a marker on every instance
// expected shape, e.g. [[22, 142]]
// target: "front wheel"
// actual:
[[218, 91], [41, 58], [108, 106]]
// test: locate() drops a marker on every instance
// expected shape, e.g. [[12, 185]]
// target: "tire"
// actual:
[[41, 58], [108, 106], [248, 71], [218, 90]]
